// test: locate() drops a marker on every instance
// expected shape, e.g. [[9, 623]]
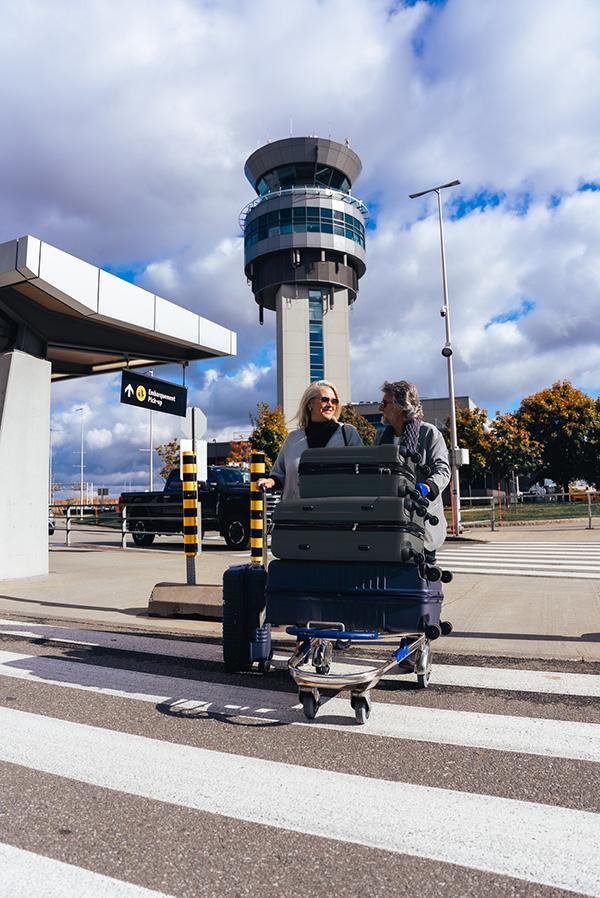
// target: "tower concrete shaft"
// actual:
[[304, 252]]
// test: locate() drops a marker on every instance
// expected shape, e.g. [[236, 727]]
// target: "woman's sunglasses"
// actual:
[[325, 400]]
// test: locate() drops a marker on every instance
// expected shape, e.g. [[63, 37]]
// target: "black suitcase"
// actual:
[[246, 637], [356, 471], [347, 529], [391, 598]]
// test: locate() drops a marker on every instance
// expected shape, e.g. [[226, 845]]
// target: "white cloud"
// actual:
[[126, 131]]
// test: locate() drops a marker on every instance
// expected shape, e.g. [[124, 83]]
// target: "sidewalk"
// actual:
[[105, 587]]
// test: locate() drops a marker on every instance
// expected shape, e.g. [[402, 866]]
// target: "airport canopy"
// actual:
[[84, 320]]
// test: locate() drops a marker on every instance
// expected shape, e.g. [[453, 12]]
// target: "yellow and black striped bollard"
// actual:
[[189, 485], [257, 510]]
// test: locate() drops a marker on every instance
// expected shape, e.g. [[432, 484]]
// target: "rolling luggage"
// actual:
[[246, 636], [390, 598], [356, 471], [348, 529]]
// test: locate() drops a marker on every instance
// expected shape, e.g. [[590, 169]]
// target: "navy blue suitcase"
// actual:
[[388, 597], [246, 636]]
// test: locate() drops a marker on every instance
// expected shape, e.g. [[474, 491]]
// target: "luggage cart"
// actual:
[[316, 644]]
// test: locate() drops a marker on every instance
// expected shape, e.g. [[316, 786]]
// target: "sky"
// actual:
[[125, 130]]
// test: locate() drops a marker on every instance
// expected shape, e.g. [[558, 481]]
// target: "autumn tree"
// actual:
[[512, 449], [169, 456], [239, 454], [269, 431], [366, 430], [564, 421], [472, 434]]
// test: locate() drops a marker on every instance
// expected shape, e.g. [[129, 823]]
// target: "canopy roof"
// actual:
[[87, 321]]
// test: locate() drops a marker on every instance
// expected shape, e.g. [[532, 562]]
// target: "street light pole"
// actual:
[[81, 409], [447, 353]]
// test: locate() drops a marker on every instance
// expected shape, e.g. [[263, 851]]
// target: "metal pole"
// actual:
[[589, 499], [81, 470], [455, 479], [189, 487], [258, 538], [151, 372]]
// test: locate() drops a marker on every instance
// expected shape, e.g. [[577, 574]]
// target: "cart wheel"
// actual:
[[322, 668], [361, 710], [423, 679], [446, 627], [310, 705]]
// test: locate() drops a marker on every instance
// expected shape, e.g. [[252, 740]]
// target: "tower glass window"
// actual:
[[302, 174], [315, 335], [301, 219]]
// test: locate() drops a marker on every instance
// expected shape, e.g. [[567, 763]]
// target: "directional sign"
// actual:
[[149, 392]]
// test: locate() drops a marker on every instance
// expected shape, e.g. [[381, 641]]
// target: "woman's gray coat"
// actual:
[[286, 463], [434, 454]]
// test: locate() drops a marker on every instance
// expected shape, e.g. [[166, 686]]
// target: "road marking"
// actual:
[[536, 736], [514, 680], [534, 842], [525, 559], [24, 874]]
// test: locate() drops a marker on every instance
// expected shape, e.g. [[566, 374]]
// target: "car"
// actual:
[[51, 522]]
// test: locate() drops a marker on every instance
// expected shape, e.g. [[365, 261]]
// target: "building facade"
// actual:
[[435, 411], [304, 253]]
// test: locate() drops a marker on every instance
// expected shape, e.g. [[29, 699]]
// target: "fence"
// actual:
[[479, 511], [73, 520]]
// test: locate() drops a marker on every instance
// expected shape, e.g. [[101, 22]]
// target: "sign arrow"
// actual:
[[129, 390]]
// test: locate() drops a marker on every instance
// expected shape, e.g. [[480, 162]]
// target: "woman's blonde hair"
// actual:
[[312, 391]]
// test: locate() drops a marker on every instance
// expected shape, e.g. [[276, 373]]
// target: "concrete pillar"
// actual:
[[293, 348], [24, 457]]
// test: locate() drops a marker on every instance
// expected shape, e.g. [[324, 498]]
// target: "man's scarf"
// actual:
[[410, 434]]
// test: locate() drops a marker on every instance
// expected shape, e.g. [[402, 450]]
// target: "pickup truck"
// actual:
[[224, 504]]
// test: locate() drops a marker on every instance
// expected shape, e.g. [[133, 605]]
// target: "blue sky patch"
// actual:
[[462, 205], [589, 185], [527, 306], [127, 272]]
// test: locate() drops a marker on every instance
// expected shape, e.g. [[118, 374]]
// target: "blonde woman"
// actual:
[[318, 426]]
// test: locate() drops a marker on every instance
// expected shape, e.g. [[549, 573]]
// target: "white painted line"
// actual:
[[24, 874], [176, 648], [464, 568], [544, 681], [551, 682], [538, 843], [548, 738]]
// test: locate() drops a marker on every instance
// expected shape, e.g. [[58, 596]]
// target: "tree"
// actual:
[[169, 456], [269, 431], [472, 434], [239, 454], [565, 422], [366, 431], [512, 449]]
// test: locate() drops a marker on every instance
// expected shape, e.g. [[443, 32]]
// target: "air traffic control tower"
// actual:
[[304, 242]]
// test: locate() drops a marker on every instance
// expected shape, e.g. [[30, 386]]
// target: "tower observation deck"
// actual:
[[304, 253]]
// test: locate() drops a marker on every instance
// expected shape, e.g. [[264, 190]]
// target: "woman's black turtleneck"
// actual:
[[318, 433]]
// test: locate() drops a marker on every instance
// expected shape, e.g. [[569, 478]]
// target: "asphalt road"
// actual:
[[136, 766]]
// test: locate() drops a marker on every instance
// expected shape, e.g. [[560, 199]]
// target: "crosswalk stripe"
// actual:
[[534, 842], [537, 736], [469, 568], [514, 680], [24, 874]]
